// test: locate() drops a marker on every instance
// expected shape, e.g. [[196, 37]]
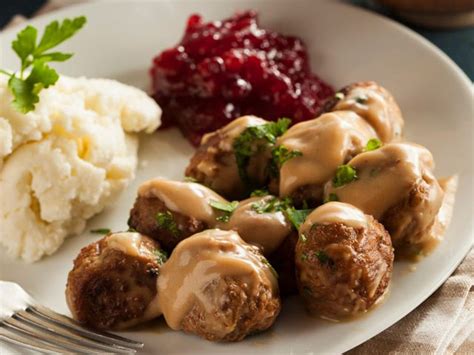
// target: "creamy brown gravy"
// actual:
[[378, 107], [386, 176], [187, 198], [266, 230], [335, 212], [200, 260], [325, 143]]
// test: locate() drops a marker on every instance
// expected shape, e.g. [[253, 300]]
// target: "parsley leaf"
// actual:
[[166, 221], [344, 175], [259, 193], [372, 144], [100, 231], [161, 256], [253, 140], [226, 207], [323, 257], [26, 88], [331, 197], [282, 154], [273, 204], [297, 217]]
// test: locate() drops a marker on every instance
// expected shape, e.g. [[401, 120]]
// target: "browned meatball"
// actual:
[[219, 287], [170, 211], [214, 163], [318, 146], [344, 261], [113, 284], [396, 185], [373, 103]]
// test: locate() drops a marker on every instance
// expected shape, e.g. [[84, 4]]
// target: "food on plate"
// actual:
[[67, 159], [344, 261], [373, 103], [113, 284], [396, 185], [226, 69], [319, 146], [170, 211], [218, 287], [234, 159]]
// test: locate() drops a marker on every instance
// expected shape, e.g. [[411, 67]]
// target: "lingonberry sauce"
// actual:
[[222, 70]]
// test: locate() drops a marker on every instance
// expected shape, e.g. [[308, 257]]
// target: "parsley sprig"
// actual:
[[166, 221], [34, 57], [372, 144], [344, 175], [253, 140], [226, 209]]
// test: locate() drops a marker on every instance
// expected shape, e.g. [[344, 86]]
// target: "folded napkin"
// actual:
[[443, 324]]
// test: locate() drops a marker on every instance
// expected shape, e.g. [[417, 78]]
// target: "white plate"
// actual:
[[346, 44]]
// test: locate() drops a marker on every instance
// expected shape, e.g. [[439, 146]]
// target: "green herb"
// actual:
[[253, 140], [273, 204], [322, 257], [372, 144], [304, 257], [132, 230], [34, 55], [259, 193], [361, 99], [281, 154], [161, 256], [331, 197], [297, 217], [272, 269], [344, 175], [226, 207], [189, 179], [339, 95], [101, 231], [303, 238], [166, 221]]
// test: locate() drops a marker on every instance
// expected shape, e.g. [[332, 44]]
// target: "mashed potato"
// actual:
[[65, 161]]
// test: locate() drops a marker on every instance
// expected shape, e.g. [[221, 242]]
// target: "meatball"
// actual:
[[214, 163], [219, 287], [373, 103], [396, 185], [258, 223], [320, 146], [113, 284], [344, 261], [170, 211]]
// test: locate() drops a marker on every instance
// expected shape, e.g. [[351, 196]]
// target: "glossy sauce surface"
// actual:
[[325, 143], [202, 259]]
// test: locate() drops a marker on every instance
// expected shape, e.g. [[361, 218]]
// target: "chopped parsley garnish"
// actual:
[[281, 154], [161, 256], [344, 175], [253, 140], [101, 231], [331, 197], [273, 204], [272, 269], [297, 217], [372, 144], [322, 257], [227, 208], [361, 99], [166, 221], [34, 55], [303, 238], [304, 257], [339, 95], [259, 193]]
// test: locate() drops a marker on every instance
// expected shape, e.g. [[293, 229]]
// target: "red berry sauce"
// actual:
[[226, 69]]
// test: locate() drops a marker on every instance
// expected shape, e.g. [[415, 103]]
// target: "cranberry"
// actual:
[[225, 69]]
